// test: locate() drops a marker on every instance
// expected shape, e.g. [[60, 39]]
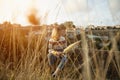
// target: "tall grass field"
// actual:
[[23, 54]]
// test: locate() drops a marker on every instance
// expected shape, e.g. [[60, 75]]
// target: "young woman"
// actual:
[[57, 44]]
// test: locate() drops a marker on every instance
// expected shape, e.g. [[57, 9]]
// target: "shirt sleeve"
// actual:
[[64, 42]]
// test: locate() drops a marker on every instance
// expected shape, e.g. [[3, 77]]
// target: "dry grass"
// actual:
[[25, 58]]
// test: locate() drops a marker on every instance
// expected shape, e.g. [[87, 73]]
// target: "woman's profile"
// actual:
[[57, 43]]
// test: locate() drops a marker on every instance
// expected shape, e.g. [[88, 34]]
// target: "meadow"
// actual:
[[23, 54]]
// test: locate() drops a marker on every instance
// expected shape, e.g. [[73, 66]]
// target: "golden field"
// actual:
[[23, 54]]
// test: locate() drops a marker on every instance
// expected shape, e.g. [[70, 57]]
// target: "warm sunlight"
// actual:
[[15, 11], [59, 39], [88, 11]]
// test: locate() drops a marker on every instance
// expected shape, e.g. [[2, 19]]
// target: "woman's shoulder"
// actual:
[[51, 40], [62, 38]]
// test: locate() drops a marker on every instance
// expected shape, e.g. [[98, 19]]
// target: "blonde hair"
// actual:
[[55, 33]]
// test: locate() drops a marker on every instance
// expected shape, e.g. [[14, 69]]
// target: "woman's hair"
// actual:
[[55, 33]]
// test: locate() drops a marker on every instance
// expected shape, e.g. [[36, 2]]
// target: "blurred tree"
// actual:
[[33, 18]]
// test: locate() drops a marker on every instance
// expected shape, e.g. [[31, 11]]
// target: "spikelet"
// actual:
[[71, 47]]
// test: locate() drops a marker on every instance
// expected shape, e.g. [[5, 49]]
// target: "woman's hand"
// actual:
[[58, 53]]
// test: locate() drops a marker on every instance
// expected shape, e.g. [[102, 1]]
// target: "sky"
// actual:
[[81, 12]]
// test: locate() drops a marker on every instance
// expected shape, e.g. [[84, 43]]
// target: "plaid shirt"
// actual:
[[59, 45]]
